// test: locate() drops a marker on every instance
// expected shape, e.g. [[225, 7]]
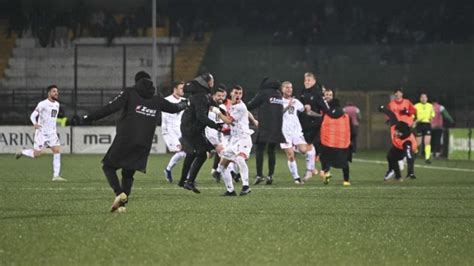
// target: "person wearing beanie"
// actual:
[[139, 107], [193, 123], [269, 102]]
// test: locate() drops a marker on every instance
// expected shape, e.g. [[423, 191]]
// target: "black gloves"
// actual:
[[404, 112], [184, 104]]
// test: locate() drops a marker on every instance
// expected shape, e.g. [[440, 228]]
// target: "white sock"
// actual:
[[56, 164], [228, 180], [234, 167], [293, 169], [175, 159], [243, 169], [220, 168], [28, 153], [310, 159]]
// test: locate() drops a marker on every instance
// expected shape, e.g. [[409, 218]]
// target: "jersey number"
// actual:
[[291, 110], [54, 113]]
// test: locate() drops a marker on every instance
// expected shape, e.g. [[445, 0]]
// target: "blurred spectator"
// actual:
[[60, 30], [437, 127], [80, 20], [355, 115], [97, 22], [142, 21], [110, 28]]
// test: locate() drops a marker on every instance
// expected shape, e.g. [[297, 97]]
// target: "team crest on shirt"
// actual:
[[143, 110]]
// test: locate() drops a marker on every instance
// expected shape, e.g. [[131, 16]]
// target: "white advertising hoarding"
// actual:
[[87, 139], [15, 138]]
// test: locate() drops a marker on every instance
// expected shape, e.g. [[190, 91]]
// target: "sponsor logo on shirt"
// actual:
[[143, 110]]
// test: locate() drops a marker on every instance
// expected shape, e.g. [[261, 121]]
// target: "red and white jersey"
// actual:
[[45, 114], [171, 123], [240, 125], [291, 123]]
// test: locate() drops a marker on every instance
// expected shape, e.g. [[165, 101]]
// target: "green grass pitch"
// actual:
[[427, 221]]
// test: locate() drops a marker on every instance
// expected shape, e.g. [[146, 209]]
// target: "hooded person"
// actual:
[[403, 145], [193, 123], [269, 135], [335, 147], [135, 130]]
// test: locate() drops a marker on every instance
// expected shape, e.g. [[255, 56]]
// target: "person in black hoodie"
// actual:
[[193, 123], [311, 96], [135, 131], [270, 118]]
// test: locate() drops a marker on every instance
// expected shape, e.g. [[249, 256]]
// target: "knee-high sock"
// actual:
[[259, 158], [28, 153], [244, 170], [196, 166], [233, 167], [427, 152], [228, 180], [188, 161], [310, 159], [112, 178], [175, 159], [271, 158], [345, 172], [293, 169], [56, 164], [127, 181]]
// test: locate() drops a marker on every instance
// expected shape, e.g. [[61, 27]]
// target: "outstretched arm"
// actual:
[[168, 107], [391, 116], [117, 103]]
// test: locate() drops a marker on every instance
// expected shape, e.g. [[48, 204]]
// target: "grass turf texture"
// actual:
[[425, 221]]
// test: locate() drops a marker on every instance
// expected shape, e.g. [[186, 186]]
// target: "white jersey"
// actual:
[[171, 123], [291, 122], [240, 125], [45, 114], [215, 137]]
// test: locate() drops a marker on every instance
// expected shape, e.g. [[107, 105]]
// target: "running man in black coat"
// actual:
[[193, 123], [135, 130], [270, 118]]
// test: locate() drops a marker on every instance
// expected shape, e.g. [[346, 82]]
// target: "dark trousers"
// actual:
[[191, 166], [393, 156], [271, 157], [436, 135], [112, 178]]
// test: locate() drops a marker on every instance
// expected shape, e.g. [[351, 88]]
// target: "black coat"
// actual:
[[136, 125], [312, 96], [195, 119], [270, 113]]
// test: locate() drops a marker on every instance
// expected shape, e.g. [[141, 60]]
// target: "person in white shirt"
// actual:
[[240, 144], [170, 129], [218, 138], [44, 121], [293, 133]]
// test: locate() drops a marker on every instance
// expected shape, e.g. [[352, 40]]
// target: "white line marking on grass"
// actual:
[[355, 187], [418, 165]]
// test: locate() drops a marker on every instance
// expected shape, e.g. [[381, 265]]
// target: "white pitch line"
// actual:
[[355, 187], [419, 166]]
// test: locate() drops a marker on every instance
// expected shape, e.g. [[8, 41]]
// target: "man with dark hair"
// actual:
[[218, 138], [193, 123], [44, 119], [135, 131], [171, 129], [269, 101]]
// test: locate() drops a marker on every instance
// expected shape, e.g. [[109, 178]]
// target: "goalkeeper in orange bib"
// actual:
[[403, 145]]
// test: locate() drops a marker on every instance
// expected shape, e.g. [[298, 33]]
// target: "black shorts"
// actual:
[[312, 135], [423, 129], [195, 144]]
